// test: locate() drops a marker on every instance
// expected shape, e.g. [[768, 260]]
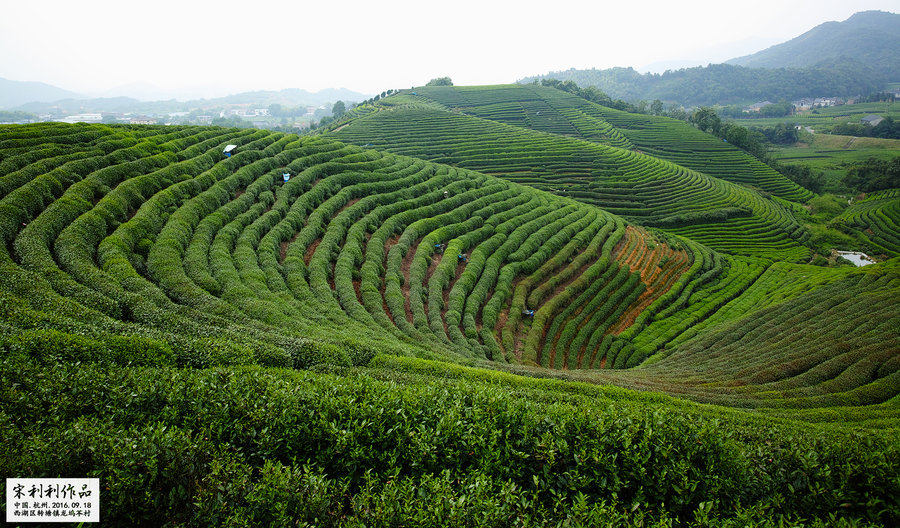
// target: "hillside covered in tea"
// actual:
[[481, 306]]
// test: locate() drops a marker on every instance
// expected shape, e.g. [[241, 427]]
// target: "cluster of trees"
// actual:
[[277, 110], [873, 174], [780, 109], [595, 95], [801, 175], [440, 81], [887, 129], [751, 140], [380, 96], [780, 134], [232, 122], [878, 97]]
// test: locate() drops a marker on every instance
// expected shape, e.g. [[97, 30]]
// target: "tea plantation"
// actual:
[[311, 332], [642, 188]]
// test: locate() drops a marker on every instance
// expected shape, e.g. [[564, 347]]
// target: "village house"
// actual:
[[871, 119], [803, 104], [756, 107], [827, 101]]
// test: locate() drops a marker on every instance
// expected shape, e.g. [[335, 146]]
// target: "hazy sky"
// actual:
[[92, 46]]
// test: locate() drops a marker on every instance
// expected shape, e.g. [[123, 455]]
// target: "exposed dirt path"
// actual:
[[310, 250], [405, 265], [460, 267], [284, 247], [346, 205]]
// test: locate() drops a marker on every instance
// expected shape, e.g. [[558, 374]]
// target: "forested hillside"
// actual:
[[727, 84], [868, 37]]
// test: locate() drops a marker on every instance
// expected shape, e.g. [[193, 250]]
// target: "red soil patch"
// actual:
[[460, 267], [284, 246], [658, 281], [388, 244], [357, 290], [346, 205], [498, 328], [405, 264], [310, 250]]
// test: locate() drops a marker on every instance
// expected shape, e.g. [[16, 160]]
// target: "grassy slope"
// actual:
[[831, 154]]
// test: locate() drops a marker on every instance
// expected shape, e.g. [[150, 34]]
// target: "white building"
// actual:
[[82, 118]]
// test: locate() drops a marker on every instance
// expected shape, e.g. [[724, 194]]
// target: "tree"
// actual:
[[706, 119], [779, 109], [781, 134], [678, 112], [440, 81], [338, 110], [656, 107], [802, 176]]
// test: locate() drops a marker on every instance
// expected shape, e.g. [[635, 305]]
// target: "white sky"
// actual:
[[92, 46]]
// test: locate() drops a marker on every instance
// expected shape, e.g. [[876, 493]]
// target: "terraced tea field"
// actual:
[[875, 219], [550, 110], [197, 326], [152, 233], [642, 188], [161, 236]]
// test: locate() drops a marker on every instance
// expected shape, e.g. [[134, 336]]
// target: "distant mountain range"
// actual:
[[39, 97], [869, 37], [854, 57], [15, 93]]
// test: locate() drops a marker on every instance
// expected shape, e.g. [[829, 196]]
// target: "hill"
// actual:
[[220, 345], [628, 182], [869, 37], [16, 93]]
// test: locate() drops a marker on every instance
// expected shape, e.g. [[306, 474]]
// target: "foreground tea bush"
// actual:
[[395, 444]]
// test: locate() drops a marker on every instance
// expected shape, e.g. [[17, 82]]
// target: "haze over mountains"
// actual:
[[15, 93], [36, 97], [851, 57]]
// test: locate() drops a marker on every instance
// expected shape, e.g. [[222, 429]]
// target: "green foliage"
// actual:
[[440, 81], [780, 134], [888, 128], [253, 446], [338, 109], [874, 175], [827, 206]]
